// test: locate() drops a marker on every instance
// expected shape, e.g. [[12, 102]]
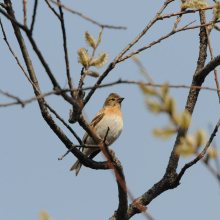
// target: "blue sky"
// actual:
[[32, 178]]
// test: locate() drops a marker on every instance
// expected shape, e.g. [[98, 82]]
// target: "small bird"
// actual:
[[109, 117]]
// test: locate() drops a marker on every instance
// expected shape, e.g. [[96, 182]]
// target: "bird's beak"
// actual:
[[120, 100]]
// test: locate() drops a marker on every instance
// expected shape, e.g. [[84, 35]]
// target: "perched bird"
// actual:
[[109, 117]]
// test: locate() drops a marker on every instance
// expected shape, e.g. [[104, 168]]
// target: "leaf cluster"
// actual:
[[161, 102], [86, 60]]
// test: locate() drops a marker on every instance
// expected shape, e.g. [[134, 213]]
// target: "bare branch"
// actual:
[[33, 17], [85, 17], [62, 120], [53, 9], [14, 21], [62, 91], [12, 96], [25, 12], [162, 38], [215, 71], [184, 12], [65, 49], [5, 38]]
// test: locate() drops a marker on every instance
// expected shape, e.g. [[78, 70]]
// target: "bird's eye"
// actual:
[[113, 99]]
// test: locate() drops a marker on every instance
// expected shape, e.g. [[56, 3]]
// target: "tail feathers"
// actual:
[[76, 166]]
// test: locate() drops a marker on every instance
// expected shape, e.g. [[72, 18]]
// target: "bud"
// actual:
[[83, 57], [93, 73], [90, 40], [101, 60]]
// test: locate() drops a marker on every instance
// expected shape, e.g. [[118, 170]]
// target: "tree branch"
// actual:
[[212, 64], [33, 17], [85, 17], [65, 49]]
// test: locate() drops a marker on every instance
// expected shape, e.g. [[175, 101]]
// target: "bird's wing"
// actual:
[[97, 118], [94, 122]]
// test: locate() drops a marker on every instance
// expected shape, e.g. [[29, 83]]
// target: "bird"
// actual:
[[110, 120]]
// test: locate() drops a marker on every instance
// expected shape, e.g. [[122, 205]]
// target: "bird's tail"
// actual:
[[76, 166]]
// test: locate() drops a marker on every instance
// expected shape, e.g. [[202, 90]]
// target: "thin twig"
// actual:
[[200, 156], [14, 21], [58, 92], [212, 170], [62, 120], [25, 12], [215, 71], [5, 38], [162, 38], [12, 96], [65, 50], [33, 17], [184, 12], [143, 70], [85, 17], [53, 9]]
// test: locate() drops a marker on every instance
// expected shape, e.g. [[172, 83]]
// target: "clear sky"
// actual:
[[32, 178]]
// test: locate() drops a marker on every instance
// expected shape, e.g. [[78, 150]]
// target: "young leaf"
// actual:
[[164, 133], [212, 152], [185, 151], [169, 104], [147, 89], [200, 137], [44, 215], [154, 106]]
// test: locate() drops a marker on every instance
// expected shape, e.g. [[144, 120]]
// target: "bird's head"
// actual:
[[113, 100]]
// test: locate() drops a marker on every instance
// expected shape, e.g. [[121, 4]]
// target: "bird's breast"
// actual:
[[115, 125]]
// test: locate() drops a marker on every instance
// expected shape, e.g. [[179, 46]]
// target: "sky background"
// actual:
[[32, 178]]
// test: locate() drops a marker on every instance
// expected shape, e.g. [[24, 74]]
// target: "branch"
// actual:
[[65, 49], [22, 68], [53, 9], [85, 17], [215, 71], [61, 91], [62, 120], [33, 17], [184, 12], [162, 38], [25, 12], [13, 97]]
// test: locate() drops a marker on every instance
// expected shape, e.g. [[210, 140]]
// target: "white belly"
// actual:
[[115, 124]]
